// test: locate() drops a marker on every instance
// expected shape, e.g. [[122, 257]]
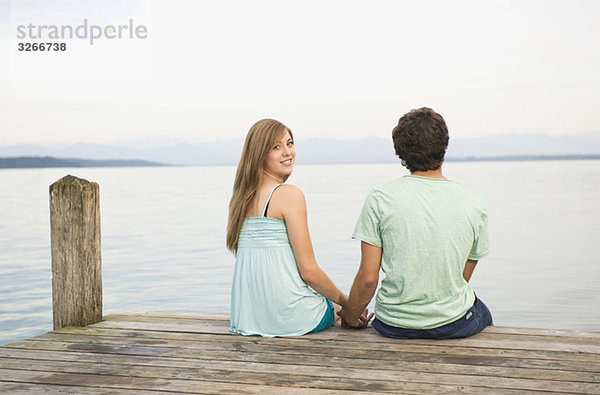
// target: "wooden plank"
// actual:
[[32, 388], [484, 338], [214, 317], [223, 319], [413, 362], [197, 386], [542, 332], [165, 326], [276, 365], [480, 343], [280, 378], [112, 329], [287, 347], [487, 335], [185, 379]]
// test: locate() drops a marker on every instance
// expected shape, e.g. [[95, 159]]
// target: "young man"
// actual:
[[426, 233]]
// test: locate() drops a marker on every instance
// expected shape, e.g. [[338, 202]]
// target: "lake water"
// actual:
[[163, 232]]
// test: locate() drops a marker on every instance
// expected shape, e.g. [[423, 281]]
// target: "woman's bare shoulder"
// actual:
[[290, 191], [289, 196]]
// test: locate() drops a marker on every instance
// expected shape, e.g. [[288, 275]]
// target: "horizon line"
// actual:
[[189, 141], [31, 162]]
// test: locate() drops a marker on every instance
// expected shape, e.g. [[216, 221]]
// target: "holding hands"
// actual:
[[356, 322]]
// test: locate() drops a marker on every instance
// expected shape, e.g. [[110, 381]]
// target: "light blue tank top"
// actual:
[[268, 296]]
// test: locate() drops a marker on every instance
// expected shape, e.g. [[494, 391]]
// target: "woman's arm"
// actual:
[[292, 205]]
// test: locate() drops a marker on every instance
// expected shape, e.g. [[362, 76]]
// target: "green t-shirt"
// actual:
[[427, 229]]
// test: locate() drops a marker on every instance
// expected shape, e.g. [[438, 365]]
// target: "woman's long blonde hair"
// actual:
[[261, 138]]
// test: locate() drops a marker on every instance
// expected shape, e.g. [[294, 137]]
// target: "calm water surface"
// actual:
[[163, 238]]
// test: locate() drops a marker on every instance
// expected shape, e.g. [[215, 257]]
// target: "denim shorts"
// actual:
[[474, 321], [328, 318]]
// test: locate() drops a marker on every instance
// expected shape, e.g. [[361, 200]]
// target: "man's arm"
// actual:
[[363, 288], [469, 267]]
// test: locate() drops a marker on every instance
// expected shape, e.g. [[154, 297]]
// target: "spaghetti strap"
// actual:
[[269, 199]]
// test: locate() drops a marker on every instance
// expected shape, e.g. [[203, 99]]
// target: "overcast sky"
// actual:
[[334, 69]]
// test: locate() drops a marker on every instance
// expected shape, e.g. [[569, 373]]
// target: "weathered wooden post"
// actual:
[[76, 254]]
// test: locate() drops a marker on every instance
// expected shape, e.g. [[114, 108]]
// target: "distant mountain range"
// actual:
[[22, 162], [369, 150]]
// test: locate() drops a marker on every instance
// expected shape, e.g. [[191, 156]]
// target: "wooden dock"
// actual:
[[190, 353]]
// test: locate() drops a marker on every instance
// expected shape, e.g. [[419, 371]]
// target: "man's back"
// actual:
[[427, 229], [427, 234]]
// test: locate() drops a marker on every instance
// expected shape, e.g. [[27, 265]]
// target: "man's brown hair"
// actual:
[[421, 139]]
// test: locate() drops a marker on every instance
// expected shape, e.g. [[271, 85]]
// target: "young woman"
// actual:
[[278, 289]]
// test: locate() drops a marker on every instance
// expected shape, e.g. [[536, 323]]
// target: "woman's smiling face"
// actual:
[[280, 161]]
